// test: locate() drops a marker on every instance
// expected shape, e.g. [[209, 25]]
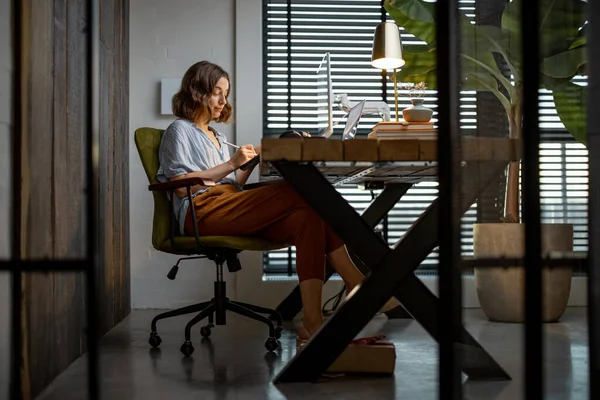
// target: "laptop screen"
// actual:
[[352, 123]]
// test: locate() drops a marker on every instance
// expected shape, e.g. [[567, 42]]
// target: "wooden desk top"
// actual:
[[394, 150], [359, 160]]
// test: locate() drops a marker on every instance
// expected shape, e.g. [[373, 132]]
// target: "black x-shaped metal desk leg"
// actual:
[[391, 273], [372, 215]]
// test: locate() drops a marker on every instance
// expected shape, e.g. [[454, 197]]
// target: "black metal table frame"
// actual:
[[392, 272], [372, 215]]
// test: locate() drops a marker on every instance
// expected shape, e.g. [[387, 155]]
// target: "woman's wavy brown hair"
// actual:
[[198, 83]]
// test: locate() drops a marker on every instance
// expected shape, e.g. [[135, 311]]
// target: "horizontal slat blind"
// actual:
[[564, 188], [345, 28], [564, 181]]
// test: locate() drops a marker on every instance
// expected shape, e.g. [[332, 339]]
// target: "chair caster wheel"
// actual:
[[271, 344], [278, 330], [205, 331], [154, 340], [187, 349]]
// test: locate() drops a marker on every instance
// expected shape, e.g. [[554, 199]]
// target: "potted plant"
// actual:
[[563, 56]]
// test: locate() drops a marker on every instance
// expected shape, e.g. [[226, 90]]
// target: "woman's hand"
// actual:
[[242, 155]]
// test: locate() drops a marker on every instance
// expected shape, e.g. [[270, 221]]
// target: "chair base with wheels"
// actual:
[[215, 310]]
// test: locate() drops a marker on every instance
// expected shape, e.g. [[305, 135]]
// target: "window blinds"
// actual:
[[295, 39]]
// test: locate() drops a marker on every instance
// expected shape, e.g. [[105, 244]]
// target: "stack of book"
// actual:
[[403, 130]]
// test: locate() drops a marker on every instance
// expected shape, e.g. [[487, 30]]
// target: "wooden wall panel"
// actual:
[[105, 213], [53, 173], [118, 172], [62, 285], [113, 176], [37, 160], [124, 305]]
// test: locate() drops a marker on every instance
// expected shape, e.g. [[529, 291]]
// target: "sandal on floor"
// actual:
[[300, 342]]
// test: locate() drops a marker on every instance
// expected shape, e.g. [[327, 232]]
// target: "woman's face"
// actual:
[[218, 98]]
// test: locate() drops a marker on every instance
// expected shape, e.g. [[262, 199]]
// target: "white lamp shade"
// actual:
[[387, 46]]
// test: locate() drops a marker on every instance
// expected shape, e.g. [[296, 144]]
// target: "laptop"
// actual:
[[351, 123]]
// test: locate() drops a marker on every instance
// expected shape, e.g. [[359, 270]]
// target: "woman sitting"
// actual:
[[191, 148]]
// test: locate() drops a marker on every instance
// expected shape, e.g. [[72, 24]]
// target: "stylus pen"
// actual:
[[231, 144], [248, 164]]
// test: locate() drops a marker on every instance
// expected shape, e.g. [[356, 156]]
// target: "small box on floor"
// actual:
[[375, 358]]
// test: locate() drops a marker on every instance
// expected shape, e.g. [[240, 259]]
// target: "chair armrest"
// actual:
[[179, 183], [270, 182]]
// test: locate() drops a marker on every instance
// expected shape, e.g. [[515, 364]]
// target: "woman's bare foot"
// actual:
[[306, 331], [303, 333]]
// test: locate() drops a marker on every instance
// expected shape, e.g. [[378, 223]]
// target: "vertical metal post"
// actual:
[[290, 267], [289, 61], [15, 229], [593, 130], [383, 71], [449, 157], [265, 68], [396, 94], [92, 154], [534, 383]]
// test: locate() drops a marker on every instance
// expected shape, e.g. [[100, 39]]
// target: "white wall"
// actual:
[[5, 160], [166, 37]]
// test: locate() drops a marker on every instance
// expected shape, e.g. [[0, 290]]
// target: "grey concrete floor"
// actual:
[[233, 364]]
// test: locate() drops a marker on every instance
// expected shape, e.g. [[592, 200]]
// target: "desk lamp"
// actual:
[[387, 51]]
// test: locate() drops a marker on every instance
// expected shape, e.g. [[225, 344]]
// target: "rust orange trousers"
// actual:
[[275, 212]]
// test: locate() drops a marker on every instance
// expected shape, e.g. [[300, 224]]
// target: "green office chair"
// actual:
[[220, 249]]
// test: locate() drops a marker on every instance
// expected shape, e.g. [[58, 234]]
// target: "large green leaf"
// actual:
[[498, 41], [566, 64], [562, 49], [419, 67], [578, 42], [488, 65], [477, 43], [549, 82], [484, 82], [417, 17], [560, 21], [569, 100], [478, 81]]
